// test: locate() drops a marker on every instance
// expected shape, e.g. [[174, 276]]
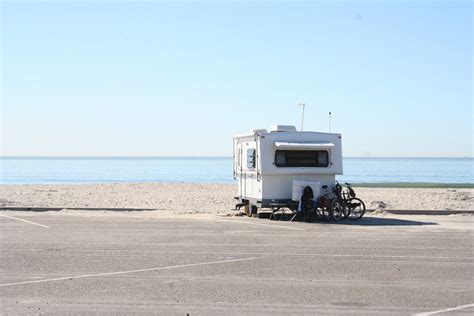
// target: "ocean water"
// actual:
[[15, 170]]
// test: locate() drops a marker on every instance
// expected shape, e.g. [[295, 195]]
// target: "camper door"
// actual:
[[249, 152]]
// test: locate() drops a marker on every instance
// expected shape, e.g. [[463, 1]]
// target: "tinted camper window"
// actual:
[[301, 158], [251, 158]]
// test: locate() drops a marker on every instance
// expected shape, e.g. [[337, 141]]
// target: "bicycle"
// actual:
[[345, 204]]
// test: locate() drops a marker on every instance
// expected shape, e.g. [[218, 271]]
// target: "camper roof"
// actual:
[[275, 129]]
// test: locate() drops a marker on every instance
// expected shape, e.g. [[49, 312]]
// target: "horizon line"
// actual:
[[212, 156]]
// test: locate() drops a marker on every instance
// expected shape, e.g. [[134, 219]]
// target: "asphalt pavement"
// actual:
[[397, 264]]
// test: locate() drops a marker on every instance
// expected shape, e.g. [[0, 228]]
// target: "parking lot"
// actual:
[[392, 264]]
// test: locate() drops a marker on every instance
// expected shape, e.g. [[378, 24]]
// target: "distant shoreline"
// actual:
[[197, 157]]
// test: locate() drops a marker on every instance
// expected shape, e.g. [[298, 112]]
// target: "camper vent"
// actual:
[[283, 128], [256, 131]]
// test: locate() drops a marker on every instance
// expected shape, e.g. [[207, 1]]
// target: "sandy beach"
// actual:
[[184, 198]]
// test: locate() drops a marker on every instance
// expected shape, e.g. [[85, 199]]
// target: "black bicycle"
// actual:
[[345, 204]]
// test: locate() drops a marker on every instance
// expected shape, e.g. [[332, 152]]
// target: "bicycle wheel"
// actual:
[[337, 210], [356, 208]]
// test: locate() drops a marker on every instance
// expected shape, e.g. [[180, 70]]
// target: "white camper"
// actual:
[[273, 166]]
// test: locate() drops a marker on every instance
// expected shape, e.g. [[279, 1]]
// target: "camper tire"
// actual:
[[252, 211]]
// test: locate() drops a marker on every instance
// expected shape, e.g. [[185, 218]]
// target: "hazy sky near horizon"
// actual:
[[159, 78]]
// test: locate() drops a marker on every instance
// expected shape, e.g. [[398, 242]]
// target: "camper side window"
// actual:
[[301, 158], [251, 158]]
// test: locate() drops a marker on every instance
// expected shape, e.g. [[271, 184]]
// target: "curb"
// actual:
[[57, 209]]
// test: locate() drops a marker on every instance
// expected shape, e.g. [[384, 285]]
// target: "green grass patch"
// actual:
[[416, 185]]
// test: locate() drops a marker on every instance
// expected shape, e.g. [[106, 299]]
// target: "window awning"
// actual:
[[295, 146]]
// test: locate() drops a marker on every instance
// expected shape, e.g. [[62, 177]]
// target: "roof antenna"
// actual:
[[329, 122], [302, 115]]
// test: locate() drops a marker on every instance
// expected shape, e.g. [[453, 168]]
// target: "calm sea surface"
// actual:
[[219, 170]]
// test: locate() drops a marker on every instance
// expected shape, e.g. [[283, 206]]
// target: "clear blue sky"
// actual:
[[158, 78]]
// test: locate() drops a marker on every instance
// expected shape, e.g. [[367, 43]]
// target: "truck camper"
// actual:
[[273, 167]]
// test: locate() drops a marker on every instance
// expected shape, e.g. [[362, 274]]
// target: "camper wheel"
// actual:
[[253, 210], [246, 208]]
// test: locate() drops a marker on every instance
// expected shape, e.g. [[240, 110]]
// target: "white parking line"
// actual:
[[24, 220], [445, 310], [127, 271]]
